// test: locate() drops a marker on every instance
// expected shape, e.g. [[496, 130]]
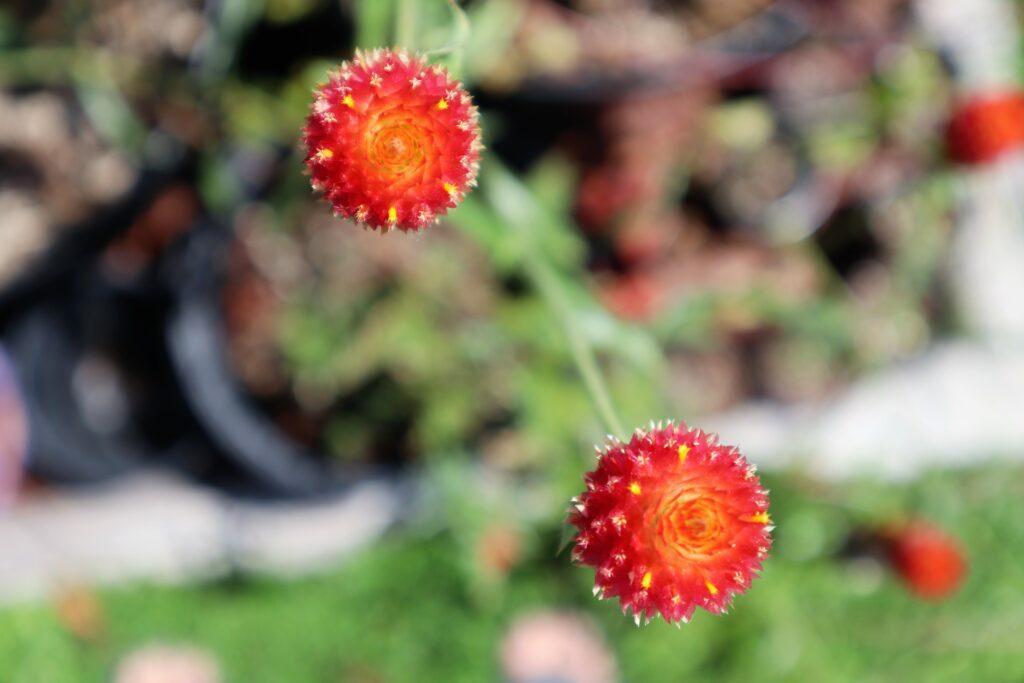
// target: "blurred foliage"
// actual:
[[414, 608], [739, 228], [715, 241]]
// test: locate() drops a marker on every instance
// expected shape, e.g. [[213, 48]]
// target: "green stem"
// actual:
[[509, 204], [405, 24], [454, 49], [539, 272]]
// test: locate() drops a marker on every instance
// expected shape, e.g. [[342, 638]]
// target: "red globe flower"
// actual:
[[672, 521], [391, 141], [985, 127], [927, 558]]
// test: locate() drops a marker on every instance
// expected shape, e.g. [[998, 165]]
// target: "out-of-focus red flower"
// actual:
[[928, 559], [985, 127], [499, 549], [80, 612], [169, 216], [672, 521], [603, 193], [633, 297], [391, 141]]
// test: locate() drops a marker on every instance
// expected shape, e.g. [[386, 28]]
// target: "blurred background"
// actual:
[[242, 440]]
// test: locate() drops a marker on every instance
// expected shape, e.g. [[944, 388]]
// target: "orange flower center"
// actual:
[[687, 523], [397, 147]]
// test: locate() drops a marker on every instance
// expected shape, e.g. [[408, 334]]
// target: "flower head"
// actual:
[[672, 521], [985, 127], [926, 557], [391, 141]]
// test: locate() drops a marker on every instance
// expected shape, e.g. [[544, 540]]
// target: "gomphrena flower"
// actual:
[[928, 559], [391, 141], [984, 127], [672, 521]]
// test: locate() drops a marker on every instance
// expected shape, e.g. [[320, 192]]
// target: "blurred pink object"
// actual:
[[168, 664], [556, 647], [13, 433]]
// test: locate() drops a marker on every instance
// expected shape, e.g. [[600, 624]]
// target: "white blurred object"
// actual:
[[987, 258], [981, 36], [292, 538], [160, 527], [948, 408]]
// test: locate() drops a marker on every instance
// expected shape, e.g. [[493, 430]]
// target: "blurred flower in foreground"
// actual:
[[81, 613], [638, 297], [556, 646], [928, 559], [392, 142], [499, 549], [167, 664], [672, 521], [985, 127], [13, 433]]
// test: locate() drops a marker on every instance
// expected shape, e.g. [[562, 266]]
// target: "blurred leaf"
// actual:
[[111, 115], [491, 37], [232, 20], [503, 247], [842, 145], [287, 11]]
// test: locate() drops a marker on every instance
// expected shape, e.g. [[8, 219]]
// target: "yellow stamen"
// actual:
[[684, 451], [324, 154], [392, 215], [348, 101], [759, 518], [442, 104], [711, 587], [449, 188], [646, 581], [634, 488]]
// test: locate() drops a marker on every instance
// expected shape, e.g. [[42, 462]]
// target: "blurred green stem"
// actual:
[[510, 204], [406, 20], [453, 51], [541, 276], [373, 23]]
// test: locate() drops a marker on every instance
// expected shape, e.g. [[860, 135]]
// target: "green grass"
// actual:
[[409, 609]]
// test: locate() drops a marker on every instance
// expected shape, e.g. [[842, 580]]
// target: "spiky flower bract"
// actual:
[[392, 141], [671, 521]]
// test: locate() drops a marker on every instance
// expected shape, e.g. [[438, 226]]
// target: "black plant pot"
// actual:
[[196, 340], [97, 386], [77, 246]]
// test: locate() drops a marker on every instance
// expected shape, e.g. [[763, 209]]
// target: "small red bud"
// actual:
[[985, 127], [928, 559]]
